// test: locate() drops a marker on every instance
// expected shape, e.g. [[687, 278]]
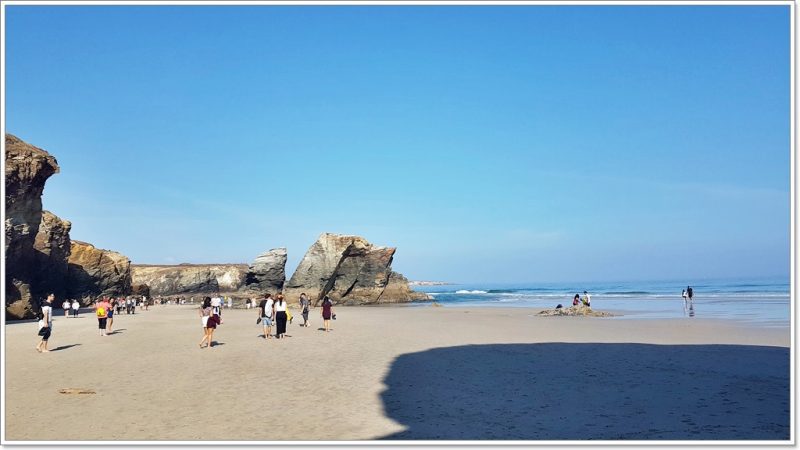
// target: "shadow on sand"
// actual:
[[559, 391], [63, 347]]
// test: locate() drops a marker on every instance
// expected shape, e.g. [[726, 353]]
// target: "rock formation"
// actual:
[[577, 310], [53, 247], [94, 272], [27, 169], [351, 271], [268, 272], [190, 278]]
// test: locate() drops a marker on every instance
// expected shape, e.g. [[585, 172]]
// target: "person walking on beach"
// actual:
[[101, 311], [75, 307], [304, 307], [280, 316], [327, 313], [206, 321], [45, 323], [266, 313], [65, 306]]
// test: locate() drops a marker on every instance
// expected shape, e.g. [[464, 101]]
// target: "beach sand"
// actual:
[[399, 372]]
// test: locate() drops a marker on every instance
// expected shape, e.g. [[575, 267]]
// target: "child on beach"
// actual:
[[576, 300]]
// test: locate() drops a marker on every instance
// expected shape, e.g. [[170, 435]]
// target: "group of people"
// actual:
[[68, 306], [586, 300]]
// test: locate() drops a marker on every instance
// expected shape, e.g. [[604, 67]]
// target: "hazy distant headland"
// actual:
[[41, 258]]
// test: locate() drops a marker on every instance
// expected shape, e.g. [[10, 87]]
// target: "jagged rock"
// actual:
[[268, 272], [578, 310], [94, 272], [53, 248], [351, 271], [27, 170], [190, 278]]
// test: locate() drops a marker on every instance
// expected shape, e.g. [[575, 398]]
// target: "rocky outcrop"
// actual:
[[94, 272], [190, 278], [577, 310], [53, 247], [27, 169], [267, 274], [140, 289], [349, 270]]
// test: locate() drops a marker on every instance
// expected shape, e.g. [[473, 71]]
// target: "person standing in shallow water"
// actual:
[[690, 293], [280, 316], [45, 324], [327, 313]]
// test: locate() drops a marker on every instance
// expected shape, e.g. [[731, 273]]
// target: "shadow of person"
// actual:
[[559, 391], [63, 347]]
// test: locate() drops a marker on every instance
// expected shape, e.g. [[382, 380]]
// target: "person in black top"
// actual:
[[689, 292]]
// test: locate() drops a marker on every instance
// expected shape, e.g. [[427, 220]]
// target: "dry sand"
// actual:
[[399, 373]]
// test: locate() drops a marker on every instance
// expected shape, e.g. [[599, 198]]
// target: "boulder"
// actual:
[[267, 274], [26, 171], [190, 278], [95, 272], [350, 270]]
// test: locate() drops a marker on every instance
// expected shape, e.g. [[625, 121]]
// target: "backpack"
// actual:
[[101, 311]]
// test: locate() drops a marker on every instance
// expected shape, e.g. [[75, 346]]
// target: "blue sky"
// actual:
[[505, 144]]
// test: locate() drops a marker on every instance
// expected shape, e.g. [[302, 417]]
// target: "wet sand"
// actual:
[[399, 372]]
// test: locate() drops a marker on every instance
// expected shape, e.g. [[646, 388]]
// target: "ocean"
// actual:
[[764, 301]]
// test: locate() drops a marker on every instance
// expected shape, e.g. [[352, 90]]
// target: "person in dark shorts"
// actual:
[[305, 304], [689, 292], [110, 321], [208, 325], [45, 323], [327, 313]]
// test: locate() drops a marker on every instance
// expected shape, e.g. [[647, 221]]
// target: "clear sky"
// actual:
[[502, 143]]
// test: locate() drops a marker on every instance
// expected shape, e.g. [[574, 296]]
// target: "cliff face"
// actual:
[[93, 272], [190, 278], [53, 247], [267, 274], [349, 270], [27, 170]]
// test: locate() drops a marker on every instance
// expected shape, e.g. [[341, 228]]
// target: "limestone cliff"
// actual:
[[27, 169], [190, 278], [94, 272], [350, 270]]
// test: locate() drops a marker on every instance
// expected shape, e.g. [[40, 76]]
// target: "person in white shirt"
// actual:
[[266, 313], [45, 324], [75, 307], [65, 306]]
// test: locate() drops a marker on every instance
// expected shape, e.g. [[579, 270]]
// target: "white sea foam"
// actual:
[[470, 292]]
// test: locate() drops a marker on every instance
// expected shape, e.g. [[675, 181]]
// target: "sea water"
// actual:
[[764, 301]]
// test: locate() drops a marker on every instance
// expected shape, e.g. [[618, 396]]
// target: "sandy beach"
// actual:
[[399, 373]]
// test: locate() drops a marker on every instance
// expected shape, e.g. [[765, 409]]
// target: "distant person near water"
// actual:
[[684, 295], [327, 313], [207, 322], [45, 323], [304, 307], [587, 300], [689, 292], [101, 311], [266, 313], [75, 307], [65, 306], [576, 300], [280, 316]]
